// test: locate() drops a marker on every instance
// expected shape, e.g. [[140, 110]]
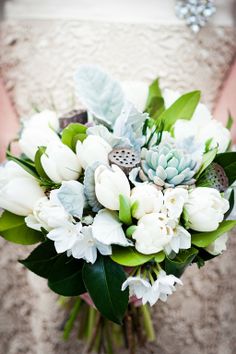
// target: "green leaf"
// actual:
[[230, 122], [14, 229], [129, 257], [159, 257], [183, 108], [231, 204], [41, 260], [103, 280], [204, 239], [208, 158], [178, 265], [72, 133], [125, 210], [25, 164], [129, 232], [65, 277], [227, 160], [155, 104], [37, 162]]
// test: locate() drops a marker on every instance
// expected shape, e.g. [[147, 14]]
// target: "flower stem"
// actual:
[[73, 315], [148, 323]]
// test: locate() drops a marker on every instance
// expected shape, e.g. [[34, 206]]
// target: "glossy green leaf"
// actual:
[[231, 204], [41, 260], [125, 210], [72, 133], [65, 277], [103, 280], [159, 257], [208, 158], [228, 161], [37, 162], [129, 257], [204, 239], [14, 229], [178, 265], [153, 92], [155, 104], [183, 108]]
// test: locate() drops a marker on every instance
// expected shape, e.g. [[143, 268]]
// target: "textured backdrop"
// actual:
[[38, 59]]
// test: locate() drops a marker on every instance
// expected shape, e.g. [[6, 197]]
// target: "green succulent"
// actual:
[[167, 166]]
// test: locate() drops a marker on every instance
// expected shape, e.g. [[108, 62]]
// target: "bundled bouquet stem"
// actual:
[[120, 201]]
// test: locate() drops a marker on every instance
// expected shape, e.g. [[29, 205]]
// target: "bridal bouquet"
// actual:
[[121, 198]]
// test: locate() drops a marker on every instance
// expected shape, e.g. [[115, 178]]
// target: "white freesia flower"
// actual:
[[93, 149], [60, 163], [137, 286], [48, 214], [205, 208], [163, 286], [19, 191], [218, 246], [201, 128], [110, 183], [146, 199], [107, 229], [38, 131], [65, 236], [152, 233], [86, 246], [181, 240], [174, 200], [136, 92]]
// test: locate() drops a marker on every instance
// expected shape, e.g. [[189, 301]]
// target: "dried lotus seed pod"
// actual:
[[216, 176], [124, 158], [75, 116]]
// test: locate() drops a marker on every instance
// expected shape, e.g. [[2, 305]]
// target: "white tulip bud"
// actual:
[[38, 131], [110, 183], [146, 199], [218, 246], [205, 208], [152, 233], [60, 163], [19, 191], [93, 149]]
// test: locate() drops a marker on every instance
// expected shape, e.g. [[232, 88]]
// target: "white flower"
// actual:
[[48, 213], [152, 233], [146, 199], [38, 131], [218, 246], [60, 163], [181, 240], [86, 246], [137, 286], [163, 286], [19, 191], [65, 236], [110, 183], [136, 92], [205, 208], [174, 200], [93, 149], [201, 128], [107, 229]]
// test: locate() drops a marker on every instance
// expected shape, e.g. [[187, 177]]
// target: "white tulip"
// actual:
[[19, 191], [136, 92], [174, 200], [48, 213], [205, 209], [60, 163], [152, 233], [218, 246], [146, 199], [93, 149], [110, 183], [38, 131]]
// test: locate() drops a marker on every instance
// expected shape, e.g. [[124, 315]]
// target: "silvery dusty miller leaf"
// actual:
[[110, 138], [89, 187], [71, 195], [101, 95]]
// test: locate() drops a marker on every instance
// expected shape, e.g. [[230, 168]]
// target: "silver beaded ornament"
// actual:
[[195, 12]]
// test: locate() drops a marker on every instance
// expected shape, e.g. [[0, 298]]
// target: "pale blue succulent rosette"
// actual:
[[119, 202]]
